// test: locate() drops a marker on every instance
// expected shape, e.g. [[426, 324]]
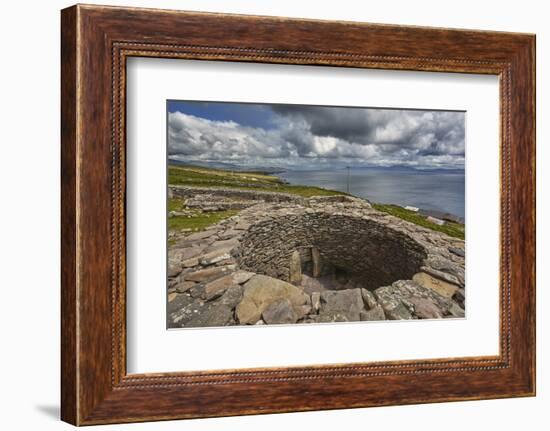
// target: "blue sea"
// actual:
[[437, 190]]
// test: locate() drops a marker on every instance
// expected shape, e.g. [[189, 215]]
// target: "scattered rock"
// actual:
[[331, 317], [178, 309], [279, 312], [444, 288], [208, 274], [375, 313], [348, 302], [396, 311], [401, 300], [310, 284], [200, 235], [247, 312], [446, 268], [242, 226], [458, 251], [260, 291], [173, 268], [240, 277], [197, 291], [456, 311], [226, 262], [214, 315], [302, 310], [232, 296], [425, 309], [184, 286], [189, 263], [460, 297], [215, 256], [230, 233], [215, 288], [368, 299], [188, 252], [222, 245]]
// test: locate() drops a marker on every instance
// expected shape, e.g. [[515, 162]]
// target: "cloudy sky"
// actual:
[[307, 137]]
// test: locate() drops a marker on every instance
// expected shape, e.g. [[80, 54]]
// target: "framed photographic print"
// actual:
[[264, 215]]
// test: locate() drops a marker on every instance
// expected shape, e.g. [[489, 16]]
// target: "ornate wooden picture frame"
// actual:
[[96, 42]]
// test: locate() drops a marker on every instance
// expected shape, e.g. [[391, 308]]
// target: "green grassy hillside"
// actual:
[[210, 177], [452, 229]]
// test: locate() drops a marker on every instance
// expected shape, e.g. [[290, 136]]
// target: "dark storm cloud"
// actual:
[[433, 132], [344, 123], [311, 134]]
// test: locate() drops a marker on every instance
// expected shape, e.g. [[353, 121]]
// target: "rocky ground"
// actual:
[[306, 260]]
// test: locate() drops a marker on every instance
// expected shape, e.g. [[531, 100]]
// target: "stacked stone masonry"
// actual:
[[316, 260]]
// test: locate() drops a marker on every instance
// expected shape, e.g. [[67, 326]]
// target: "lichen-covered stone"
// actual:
[[425, 309], [368, 299], [375, 313], [406, 299], [443, 287]]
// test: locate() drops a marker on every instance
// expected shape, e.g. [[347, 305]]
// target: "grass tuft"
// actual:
[[452, 229]]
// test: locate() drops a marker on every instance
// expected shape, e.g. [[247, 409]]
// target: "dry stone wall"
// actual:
[[279, 263], [362, 247], [253, 196]]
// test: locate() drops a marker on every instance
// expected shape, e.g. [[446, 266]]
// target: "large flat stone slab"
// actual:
[[222, 244], [215, 256], [442, 287], [260, 291], [348, 302], [208, 274], [200, 235]]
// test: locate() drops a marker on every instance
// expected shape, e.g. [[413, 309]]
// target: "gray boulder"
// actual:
[[213, 315], [425, 309], [279, 312], [375, 313], [260, 291], [346, 302], [368, 299]]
